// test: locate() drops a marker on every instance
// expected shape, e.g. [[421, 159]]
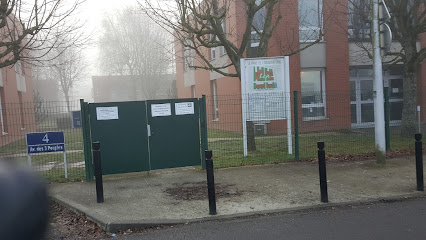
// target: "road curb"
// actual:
[[101, 220], [111, 225]]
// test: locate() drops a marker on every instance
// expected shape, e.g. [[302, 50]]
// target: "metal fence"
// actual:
[[343, 121], [18, 119]]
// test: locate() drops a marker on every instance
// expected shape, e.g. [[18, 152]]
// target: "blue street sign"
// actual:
[[45, 138], [46, 142], [46, 148]]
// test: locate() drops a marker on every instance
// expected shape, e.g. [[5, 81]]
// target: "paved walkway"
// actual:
[[176, 195]]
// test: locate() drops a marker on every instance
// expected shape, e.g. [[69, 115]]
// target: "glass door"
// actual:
[[362, 105]]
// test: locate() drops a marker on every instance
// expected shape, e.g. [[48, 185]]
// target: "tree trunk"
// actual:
[[251, 143], [67, 100], [409, 124]]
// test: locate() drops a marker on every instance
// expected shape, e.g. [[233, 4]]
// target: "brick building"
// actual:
[[17, 114], [334, 77]]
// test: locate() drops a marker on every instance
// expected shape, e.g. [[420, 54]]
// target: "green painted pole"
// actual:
[[296, 126], [387, 118], [85, 126], [203, 126]]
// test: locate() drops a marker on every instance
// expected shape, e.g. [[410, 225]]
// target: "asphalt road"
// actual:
[[395, 220]]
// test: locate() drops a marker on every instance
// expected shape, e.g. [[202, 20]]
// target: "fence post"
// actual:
[[322, 172], [203, 126], [419, 162], [418, 119], [387, 118], [85, 126], [296, 126], [98, 172], [210, 182]]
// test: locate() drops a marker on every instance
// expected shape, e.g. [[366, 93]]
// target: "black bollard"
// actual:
[[210, 182], [322, 172], [419, 162], [98, 172]]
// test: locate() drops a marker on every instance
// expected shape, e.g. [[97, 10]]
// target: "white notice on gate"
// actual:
[[158, 110], [184, 108], [106, 113]]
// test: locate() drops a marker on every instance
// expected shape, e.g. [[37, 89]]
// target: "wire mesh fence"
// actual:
[[344, 122], [19, 119]]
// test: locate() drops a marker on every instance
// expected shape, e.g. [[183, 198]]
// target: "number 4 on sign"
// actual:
[[45, 138]]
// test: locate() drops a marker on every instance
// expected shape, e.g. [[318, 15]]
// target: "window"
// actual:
[[212, 53], [215, 103], [20, 79], [213, 49], [313, 94], [258, 24], [188, 55], [193, 91], [358, 18], [310, 20]]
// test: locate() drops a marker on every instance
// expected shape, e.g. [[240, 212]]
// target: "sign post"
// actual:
[[46, 142], [265, 89]]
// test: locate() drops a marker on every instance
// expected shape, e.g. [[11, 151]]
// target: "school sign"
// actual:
[[265, 90]]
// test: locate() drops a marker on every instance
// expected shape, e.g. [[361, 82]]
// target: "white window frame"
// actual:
[[312, 28], [323, 95]]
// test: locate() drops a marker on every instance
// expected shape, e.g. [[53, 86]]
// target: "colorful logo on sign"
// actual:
[[264, 79]]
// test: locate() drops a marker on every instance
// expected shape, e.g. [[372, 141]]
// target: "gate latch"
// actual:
[[148, 128]]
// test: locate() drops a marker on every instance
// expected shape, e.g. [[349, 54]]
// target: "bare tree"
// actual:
[[64, 71], [69, 69], [199, 26], [132, 44], [172, 91], [29, 30], [407, 24], [39, 109]]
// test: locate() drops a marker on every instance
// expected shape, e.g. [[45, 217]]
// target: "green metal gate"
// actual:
[[147, 135], [174, 138], [120, 128]]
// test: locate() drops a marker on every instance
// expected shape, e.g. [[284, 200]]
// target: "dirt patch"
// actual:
[[198, 191], [66, 224], [362, 157]]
